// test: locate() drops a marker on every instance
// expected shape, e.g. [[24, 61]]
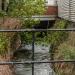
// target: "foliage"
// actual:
[[26, 37], [54, 38], [22, 8], [29, 23], [57, 37], [25, 9], [2, 14], [3, 43], [66, 51]]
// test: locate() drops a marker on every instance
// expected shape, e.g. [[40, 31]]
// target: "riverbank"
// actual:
[[63, 49], [7, 43], [5, 69]]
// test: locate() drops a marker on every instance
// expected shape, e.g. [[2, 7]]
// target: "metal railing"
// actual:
[[33, 42]]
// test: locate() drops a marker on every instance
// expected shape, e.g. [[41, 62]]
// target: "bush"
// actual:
[[56, 37], [64, 52], [63, 49], [4, 43]]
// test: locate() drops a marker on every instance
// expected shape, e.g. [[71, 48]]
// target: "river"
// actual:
[[41, 54]]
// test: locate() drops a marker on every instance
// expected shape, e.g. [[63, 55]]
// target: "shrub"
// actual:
[[64, 52], [56, 37]]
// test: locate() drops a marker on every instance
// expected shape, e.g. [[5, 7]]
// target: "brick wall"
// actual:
[[52, 10]]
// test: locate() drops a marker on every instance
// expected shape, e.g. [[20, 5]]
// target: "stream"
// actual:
[[41, 54]]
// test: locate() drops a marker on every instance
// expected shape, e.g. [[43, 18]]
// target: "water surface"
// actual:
[[41, 54]]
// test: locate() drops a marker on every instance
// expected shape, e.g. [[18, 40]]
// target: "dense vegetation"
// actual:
[[26, 8], [62, 43], [58, 36], [21, 9], [63, 48], [3, 43]]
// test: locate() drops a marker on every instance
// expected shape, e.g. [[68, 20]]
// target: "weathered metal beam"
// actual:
[[36, 30], [33, 42], [36, 62], [42, 17]]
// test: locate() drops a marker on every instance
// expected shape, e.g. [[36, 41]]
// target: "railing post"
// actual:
[[33, 42]]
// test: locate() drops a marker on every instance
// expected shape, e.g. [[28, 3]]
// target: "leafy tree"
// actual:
[[28, 8]]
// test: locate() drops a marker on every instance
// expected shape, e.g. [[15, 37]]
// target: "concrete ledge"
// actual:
[[43, 17]]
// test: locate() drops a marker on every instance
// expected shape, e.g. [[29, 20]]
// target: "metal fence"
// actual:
[[33, 42]]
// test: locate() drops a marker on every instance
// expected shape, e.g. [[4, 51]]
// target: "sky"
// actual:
[[51, 2]]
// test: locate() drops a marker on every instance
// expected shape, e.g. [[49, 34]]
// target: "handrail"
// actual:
[[35, 30], [31, 62]]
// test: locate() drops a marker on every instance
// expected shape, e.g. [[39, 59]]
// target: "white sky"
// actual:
[[51, 2]]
